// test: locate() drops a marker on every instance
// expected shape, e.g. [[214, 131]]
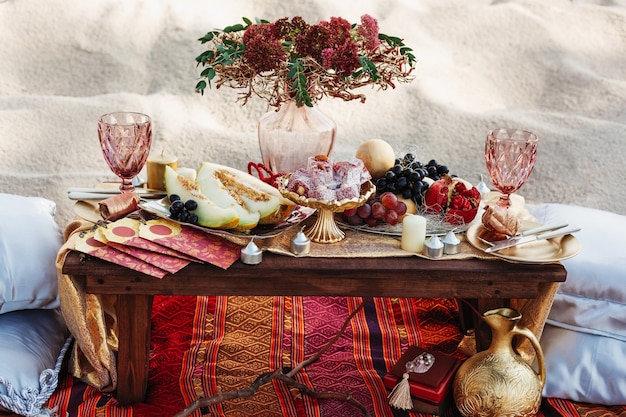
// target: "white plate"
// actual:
[[541, 251]]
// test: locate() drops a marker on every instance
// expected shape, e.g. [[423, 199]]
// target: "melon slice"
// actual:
[[209, 214], [255, 195], [214, 190]]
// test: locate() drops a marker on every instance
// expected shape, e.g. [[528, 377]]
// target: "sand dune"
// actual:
[[556, 68]]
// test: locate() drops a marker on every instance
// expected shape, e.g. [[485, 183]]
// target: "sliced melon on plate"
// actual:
[[255, 195], [209, 214]]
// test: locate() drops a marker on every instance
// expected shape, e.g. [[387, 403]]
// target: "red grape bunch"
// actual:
[[385, 208]]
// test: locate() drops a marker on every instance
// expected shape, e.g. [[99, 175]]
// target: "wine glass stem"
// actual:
[[505, 200], [127, 186]]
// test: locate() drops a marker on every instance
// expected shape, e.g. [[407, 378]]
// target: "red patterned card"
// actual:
[[203, 246], [88, 244], [117, 232], [126, 231]]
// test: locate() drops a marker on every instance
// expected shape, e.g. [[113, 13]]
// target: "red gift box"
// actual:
[[432, 385]]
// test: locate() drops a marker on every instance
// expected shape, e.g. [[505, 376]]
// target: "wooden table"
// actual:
[[488, 283]]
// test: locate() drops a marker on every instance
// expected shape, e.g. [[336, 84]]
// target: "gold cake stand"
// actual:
[[325, 229]]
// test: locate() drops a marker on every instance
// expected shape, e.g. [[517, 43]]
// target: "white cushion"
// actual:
[[32, 348], [593, 298], [584, 367], [584, 341], [29, 241]]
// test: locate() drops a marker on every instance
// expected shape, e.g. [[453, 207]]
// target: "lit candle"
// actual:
[[155, 167], [413, 233]]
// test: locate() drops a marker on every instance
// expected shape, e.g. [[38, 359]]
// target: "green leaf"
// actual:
[[205, 56], [296, 72], [247, 21], [234, 28], [208, 37], [226, 58], [369, 67], [200, 87], [391, 40], [292, 71]]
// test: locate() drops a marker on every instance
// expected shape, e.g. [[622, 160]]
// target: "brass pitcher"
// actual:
[[497, 381]]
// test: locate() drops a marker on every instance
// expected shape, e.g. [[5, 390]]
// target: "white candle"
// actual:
[[413, 233], [155, 167]]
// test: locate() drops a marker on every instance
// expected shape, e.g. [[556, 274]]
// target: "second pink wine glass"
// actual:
[[125, 139], [510, 155]]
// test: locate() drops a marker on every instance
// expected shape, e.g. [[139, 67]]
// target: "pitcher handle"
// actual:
[[523, 331]]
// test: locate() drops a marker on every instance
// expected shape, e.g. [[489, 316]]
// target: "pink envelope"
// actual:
[[203, 246], [89, 245], [168, 263], [126, 232]]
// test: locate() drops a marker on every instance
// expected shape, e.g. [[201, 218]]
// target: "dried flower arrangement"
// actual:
[[292, 59]]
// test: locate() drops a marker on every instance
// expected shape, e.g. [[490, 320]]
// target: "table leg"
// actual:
[[133, 323], [467, 307], [482, 331]]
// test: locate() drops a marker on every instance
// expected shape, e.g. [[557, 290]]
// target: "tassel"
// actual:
[[400, 396]]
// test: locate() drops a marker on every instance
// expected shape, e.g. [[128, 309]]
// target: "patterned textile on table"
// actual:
[[204, 345]]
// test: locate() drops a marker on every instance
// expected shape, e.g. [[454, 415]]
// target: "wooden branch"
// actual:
[[286, 378], [331, 342], [328, 395], [230, 395]]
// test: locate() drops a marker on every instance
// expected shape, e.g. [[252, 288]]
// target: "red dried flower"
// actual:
[[339, 29], [263, 51], [327, 57], [369, 30], [289, 30], [263, 30], [313, 41], [344, 59]]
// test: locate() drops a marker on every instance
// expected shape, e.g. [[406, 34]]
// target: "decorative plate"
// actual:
[[434, 227], [541, 251], [160, 208]]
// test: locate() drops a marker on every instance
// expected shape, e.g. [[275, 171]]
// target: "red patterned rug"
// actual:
[[205, 345]]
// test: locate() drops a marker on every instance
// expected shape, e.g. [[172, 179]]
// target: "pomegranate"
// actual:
[[452, 198]]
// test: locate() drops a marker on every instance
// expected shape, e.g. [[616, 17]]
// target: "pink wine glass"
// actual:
[[125, 139], [510, 155]]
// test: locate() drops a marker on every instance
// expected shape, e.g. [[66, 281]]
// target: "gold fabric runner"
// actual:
[[362, 244]]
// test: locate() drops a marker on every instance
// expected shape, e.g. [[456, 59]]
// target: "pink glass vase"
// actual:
[[289, 136]]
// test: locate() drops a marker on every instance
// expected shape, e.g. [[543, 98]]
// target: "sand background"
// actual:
[[556, 68]]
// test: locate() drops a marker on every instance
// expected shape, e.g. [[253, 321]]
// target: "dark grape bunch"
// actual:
[[182, 211], [406, 178]]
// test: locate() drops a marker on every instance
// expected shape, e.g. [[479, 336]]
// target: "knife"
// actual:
[[75, 195], [540, 229], [116, 190], [520, 240]]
